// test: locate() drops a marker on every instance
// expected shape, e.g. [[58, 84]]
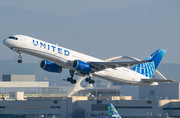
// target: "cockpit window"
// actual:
[[12, 37]]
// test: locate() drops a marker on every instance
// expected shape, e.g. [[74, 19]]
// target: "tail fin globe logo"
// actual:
[[148, 69]]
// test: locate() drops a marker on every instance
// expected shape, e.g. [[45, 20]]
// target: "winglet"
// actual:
[[113, 112]]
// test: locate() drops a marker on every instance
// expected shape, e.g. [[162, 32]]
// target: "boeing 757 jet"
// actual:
[[56, 58]]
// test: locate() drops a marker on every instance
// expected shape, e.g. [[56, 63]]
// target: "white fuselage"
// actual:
[[63, 56]]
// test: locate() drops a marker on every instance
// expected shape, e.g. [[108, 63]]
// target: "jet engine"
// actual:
[[82, 66], [50, 66]]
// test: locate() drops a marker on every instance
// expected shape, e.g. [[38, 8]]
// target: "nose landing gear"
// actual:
[[20, 58]]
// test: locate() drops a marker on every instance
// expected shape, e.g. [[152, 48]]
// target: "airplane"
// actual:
[[56, 58], [113, 112]]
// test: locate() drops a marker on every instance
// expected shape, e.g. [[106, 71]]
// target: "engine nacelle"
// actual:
[[82, 66], [50, 66]]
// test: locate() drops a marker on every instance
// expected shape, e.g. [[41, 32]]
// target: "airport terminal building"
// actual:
[[23, 97], [85, 107]]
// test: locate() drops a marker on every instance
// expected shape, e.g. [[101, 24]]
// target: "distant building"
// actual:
[[99, 91], [86, 107], [129, 90], [162, 91], [21, 81], [18, 78], [28, 85], [18, 101]]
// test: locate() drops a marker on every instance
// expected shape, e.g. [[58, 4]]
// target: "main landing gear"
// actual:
[[70, 79], [88, 79], [73, 81], [20, 58]]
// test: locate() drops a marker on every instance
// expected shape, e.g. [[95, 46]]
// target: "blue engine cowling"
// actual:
[[50, 66], [82, 66]]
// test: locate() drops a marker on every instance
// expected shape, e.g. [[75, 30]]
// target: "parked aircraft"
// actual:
[[113, 112], [56, 58]]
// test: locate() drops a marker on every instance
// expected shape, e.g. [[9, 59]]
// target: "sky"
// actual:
[[65, 8], [100, 28]]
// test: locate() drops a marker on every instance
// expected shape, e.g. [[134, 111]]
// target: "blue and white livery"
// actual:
[[56, 58], [113, 112]]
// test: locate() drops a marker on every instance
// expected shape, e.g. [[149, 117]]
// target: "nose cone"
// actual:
[[6, 42]]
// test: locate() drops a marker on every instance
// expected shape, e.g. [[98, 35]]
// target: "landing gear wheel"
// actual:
[[69, 79], [20, 61], [73, 81], [91, 82], [87, 79]]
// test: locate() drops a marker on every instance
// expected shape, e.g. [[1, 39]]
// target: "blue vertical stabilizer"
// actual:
[[148, 69], [113, 112]]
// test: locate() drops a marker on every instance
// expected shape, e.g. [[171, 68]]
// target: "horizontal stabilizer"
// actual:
[[156, 80]]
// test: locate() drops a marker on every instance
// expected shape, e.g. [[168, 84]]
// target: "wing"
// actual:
[[104, 65]]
